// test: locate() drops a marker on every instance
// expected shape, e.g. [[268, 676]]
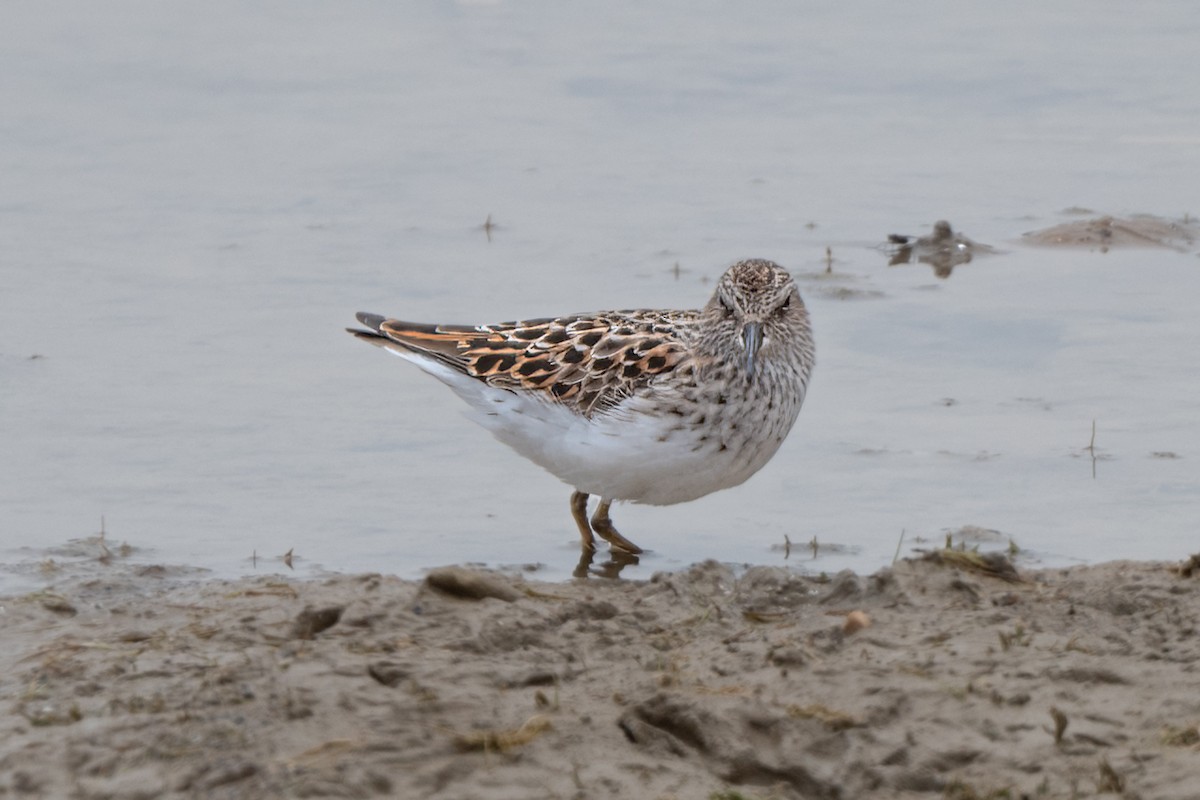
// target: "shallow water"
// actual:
[[197, 201]]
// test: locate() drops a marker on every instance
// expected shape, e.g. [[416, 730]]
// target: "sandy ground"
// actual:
[[929, 679]]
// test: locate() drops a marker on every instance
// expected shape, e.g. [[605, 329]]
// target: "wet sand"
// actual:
[[921, 680]]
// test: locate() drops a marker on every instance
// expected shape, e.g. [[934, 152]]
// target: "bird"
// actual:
[[645, 405]]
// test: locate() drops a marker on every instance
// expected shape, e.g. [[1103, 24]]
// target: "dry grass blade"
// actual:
[[1060, 724], [831, 718], [504, 739], [1181, 737], [52, 601], [1110, 779], [325, 753], [269, 589], [995, 565], [536, 595]]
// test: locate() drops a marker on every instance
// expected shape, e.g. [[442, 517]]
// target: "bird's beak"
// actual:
[[752, 339]]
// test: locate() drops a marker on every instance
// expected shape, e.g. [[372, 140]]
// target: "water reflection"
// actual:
[[617, 560], [943, 249]]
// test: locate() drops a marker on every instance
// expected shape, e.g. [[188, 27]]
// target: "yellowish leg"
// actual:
[[602, 525], [579, 512]]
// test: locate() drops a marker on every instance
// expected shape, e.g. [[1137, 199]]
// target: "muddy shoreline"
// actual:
[[927, 679]]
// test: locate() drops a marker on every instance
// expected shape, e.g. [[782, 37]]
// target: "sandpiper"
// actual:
[[650, 406]]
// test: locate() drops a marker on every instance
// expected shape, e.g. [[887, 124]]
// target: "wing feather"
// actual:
[[589, 362]]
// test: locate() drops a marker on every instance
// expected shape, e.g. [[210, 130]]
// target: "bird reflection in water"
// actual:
[[618, 560]]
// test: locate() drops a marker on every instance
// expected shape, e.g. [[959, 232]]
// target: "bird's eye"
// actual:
[[728, 309], [783, 309]]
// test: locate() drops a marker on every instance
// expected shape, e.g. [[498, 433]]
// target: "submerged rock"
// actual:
[[1139, 230]]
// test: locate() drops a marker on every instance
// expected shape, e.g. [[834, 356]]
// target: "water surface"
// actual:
[[197, 200]]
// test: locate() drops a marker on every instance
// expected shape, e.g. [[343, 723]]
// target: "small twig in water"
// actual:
[[105, 554], [1091, 448], [896, 557]]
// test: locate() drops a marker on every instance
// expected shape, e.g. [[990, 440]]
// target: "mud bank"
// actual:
[[921, 680]]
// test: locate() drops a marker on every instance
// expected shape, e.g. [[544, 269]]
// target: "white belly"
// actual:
[[634, 452]]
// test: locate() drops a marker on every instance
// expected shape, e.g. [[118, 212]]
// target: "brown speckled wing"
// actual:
[[586, 362]]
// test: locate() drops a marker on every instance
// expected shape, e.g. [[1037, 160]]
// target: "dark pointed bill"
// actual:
[[752, 339]]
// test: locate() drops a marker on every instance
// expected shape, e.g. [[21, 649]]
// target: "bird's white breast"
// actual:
[[636, 451]]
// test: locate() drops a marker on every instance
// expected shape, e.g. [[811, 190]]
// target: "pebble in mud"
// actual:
[[471, 584], [312, 621]]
